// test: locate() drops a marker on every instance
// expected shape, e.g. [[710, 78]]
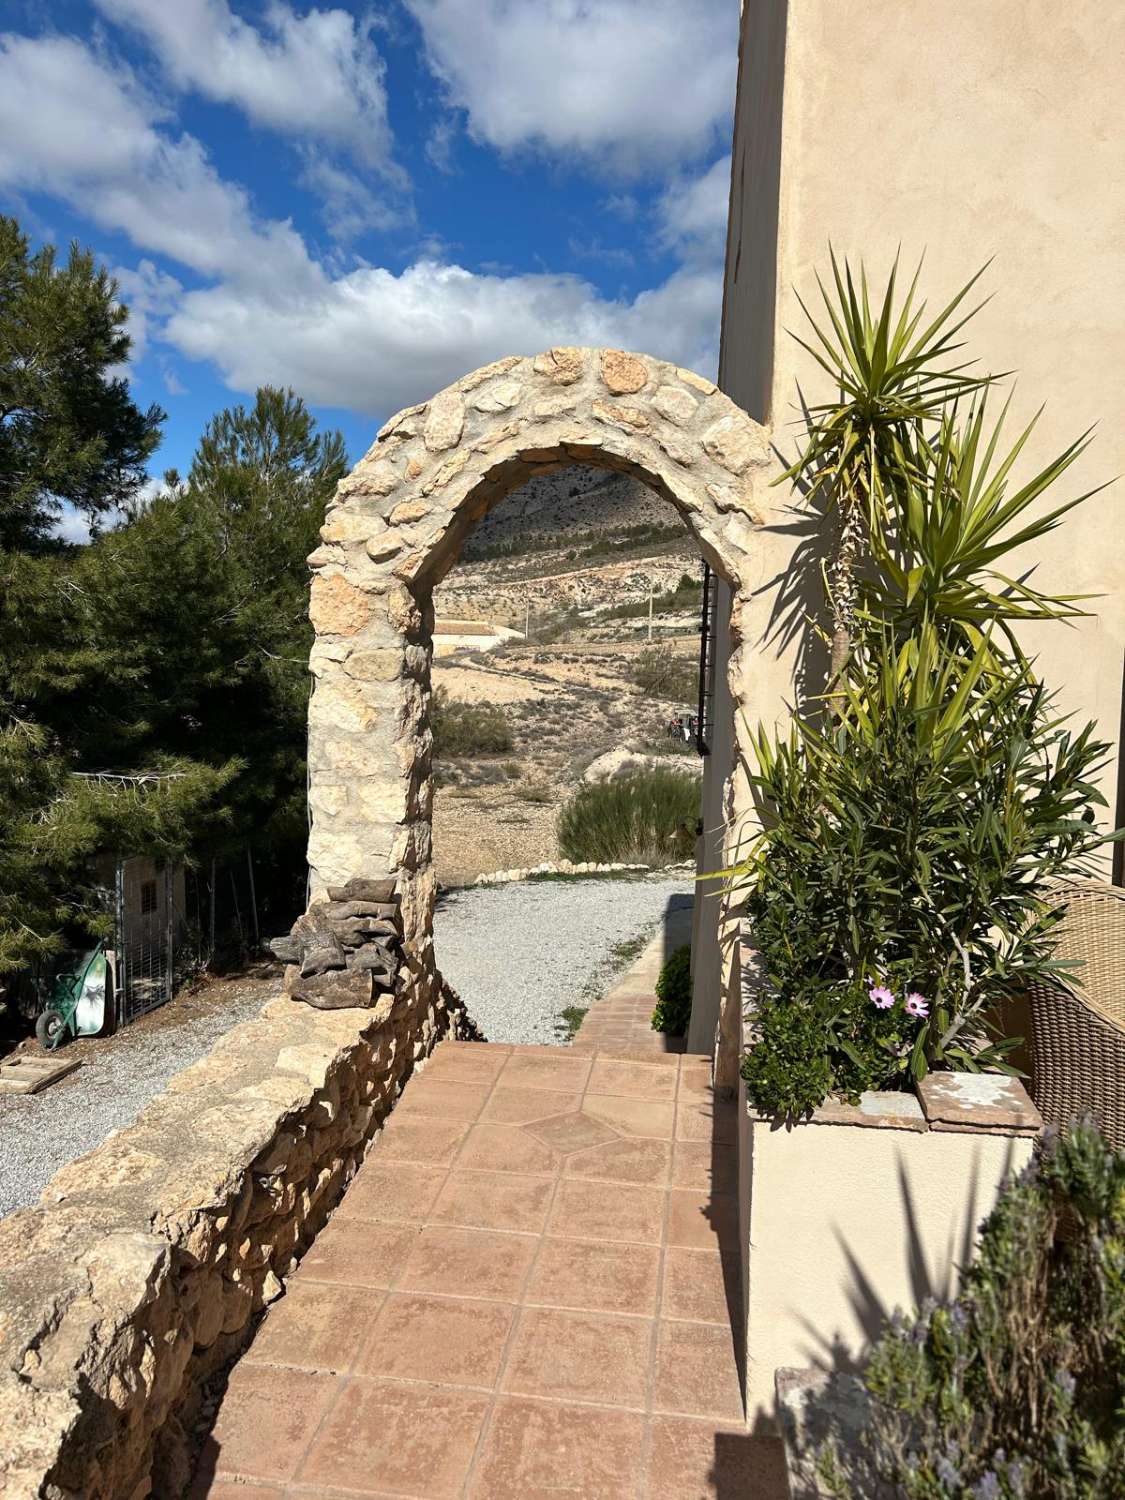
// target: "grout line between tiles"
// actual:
[[509, 1342], [654, 1342]]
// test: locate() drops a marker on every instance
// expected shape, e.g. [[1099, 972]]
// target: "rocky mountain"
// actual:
[[572, 503], [580, 541]]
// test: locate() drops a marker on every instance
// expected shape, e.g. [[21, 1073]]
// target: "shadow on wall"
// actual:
[[798, 614], [750, 1462], [927, 1283], [676, 925]]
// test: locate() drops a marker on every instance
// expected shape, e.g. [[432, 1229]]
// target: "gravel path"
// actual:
[[119, 1075], [519, 954]]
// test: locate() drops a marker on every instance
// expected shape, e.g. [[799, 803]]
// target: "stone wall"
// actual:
[[143, 1271], [397, 525]]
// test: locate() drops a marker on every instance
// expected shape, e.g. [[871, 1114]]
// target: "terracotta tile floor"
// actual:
[[526, 1293], [623, 1020]]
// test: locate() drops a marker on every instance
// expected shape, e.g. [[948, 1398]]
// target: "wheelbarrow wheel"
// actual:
[[49, 1028]]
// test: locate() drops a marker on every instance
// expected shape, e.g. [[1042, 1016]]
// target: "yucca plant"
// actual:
[[894, 371], [937, 552]]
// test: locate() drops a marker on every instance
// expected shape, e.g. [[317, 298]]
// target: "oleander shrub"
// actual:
[[646, 818], [467, 729], [901, 890], [1015, 1388], [673, 993]]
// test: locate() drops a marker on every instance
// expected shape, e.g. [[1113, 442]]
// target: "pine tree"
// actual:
[[69, 430], [197, 628], [176, 642]]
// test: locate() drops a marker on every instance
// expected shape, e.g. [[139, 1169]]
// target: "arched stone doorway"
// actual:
[[396, 526]]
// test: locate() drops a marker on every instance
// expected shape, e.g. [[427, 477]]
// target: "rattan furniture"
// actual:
[[1078, 1024]]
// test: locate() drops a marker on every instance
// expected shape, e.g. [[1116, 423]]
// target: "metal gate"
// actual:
[[708, 623], [149, 902], [170, 922]]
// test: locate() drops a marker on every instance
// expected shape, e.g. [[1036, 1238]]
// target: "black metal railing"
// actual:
[[705, 717]]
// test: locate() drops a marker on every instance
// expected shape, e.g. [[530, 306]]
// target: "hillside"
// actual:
[[580, 540], [573, 555], [566, 505]]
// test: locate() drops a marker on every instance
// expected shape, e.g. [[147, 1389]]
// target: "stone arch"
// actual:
[[396, 526]]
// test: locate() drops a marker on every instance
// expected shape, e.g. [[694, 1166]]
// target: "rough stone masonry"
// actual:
[[396, 526]]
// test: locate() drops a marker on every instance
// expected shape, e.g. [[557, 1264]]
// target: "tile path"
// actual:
[[623, 1018], [527, 1293]]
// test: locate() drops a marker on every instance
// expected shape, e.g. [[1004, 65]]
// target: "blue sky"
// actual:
[[365, 202]]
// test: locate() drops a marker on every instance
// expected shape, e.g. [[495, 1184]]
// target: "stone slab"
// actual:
[[990, 1101]]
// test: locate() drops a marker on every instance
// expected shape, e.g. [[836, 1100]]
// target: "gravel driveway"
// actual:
[[518, 953], [521, 953], [39, 1133]]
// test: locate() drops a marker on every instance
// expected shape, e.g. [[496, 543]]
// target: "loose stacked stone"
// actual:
[[348, 950]]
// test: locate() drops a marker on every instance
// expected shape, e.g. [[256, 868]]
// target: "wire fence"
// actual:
[[170, 922]]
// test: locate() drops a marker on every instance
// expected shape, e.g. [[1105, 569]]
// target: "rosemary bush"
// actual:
[[1015, 1389], [646, 818]]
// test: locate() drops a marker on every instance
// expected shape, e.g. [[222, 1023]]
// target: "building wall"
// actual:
[[843, 1223], [963, 131]]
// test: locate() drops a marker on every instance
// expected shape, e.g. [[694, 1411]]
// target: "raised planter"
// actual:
[[859, 1210]]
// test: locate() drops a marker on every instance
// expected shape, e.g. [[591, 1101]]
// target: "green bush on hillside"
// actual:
[[687, 594], [647, 818], [673, 994], [659, 674], [464, 729]]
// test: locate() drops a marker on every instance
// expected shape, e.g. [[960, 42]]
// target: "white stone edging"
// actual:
[[561, 867]]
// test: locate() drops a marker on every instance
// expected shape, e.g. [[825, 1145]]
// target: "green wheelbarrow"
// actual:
[[76, 1004]]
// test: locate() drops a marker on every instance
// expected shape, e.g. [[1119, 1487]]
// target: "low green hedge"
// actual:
[[673, 994]]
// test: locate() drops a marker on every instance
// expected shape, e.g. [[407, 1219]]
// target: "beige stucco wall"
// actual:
[[843, 1224], [964, 130]]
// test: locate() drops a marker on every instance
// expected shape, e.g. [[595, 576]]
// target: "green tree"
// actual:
[[176, 642], [197, 614], [69, 429]]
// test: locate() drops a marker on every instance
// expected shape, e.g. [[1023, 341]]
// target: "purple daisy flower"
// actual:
[[881, 996], [916, 1005]]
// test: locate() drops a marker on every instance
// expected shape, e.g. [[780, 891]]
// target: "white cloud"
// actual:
[[172, 382], [80, 127], [373, 341], [72, 526], [317, 74], [347, 205], [693, 213], [630, 85], [73, 124], [439, 143], [150, 295]]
